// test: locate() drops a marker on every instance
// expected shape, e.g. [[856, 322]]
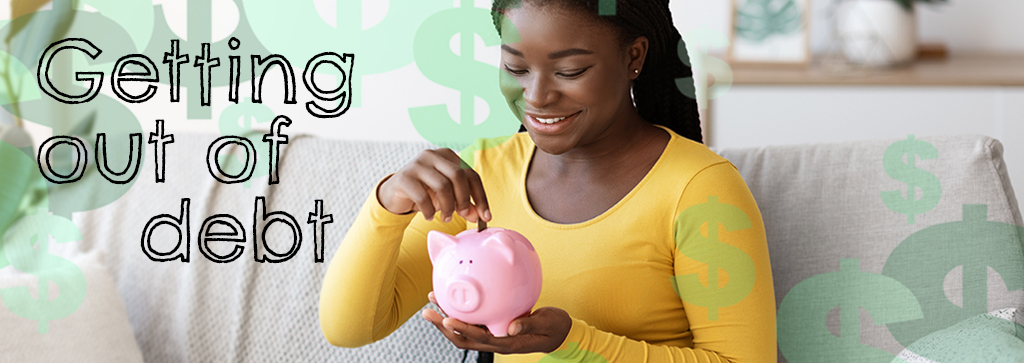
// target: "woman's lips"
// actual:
[[552, 127]]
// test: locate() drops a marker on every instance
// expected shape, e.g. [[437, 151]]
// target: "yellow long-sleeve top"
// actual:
[[646, 281]]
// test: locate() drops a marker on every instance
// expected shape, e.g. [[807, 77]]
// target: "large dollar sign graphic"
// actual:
[[102, 114], [16, 180], [803, 333], [200, 30], [914, 177], [716, 254], [923, 260], [472, 78], [238, 120], [384, 47], [35, 230], [703, 65]]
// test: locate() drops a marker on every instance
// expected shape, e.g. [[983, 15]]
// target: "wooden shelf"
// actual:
[[957, 70]]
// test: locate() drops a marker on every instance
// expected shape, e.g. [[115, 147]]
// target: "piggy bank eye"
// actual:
[[460, 262], [470, 261]]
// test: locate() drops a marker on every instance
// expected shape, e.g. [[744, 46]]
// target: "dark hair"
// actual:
[[657, 98]]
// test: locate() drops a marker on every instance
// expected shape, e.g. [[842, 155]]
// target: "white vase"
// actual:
[[877, 33]]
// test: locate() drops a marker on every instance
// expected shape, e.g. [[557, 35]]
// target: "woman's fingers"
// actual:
[[436, 182], [468, 186], [477, 191], [464, 182]]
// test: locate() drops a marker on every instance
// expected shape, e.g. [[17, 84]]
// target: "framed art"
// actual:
[[770, 32]]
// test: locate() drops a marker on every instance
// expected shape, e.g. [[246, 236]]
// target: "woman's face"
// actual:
[[564, 65]]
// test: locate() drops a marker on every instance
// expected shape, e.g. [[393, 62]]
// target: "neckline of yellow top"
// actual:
[[673, 137]]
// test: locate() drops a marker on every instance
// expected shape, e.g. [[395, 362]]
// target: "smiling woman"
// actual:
[[652, 247]]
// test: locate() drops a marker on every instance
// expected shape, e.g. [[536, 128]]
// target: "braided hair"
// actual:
[[657, 98]]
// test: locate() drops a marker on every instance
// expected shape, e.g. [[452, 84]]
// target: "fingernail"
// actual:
[[516, 328], [447, 219], [464, 212], [487, 215]]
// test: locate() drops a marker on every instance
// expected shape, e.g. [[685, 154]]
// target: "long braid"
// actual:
[[657, 98]]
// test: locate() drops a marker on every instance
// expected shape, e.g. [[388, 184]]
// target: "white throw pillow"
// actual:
[[95, 330], [997, 336]]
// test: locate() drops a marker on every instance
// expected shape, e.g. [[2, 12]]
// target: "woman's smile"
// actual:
[[550, 124]]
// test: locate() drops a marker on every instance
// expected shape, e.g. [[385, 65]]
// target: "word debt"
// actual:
[[230, 230], [146, 71], [275, 138]]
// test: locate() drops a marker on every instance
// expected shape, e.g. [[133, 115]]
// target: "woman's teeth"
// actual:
[[550, 120]]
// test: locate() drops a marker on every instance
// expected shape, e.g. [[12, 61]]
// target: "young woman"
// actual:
[[652, 248]]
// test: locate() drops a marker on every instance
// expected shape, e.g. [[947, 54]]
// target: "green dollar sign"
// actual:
[[914, 177], [200, 30], [461, 72], [239, 120], [606, 7], [17, 179], [716, 254], [803, 333], [702, 65], [383, 47], [925, 258], [103, 114], [35, 230]]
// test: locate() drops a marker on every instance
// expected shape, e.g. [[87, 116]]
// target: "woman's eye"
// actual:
[[514, 71], [571, 75]]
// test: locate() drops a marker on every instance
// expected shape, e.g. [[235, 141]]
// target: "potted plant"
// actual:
[[879, 33]]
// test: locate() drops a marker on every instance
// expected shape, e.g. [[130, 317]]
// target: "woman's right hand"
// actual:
[[436, 180]]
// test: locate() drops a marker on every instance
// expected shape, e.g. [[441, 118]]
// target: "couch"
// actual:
[[859, 275]]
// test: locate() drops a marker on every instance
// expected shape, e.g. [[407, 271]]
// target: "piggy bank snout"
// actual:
[[464, 294]]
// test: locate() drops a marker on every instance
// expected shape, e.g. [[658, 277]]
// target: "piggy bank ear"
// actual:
[[437, 241], [503, 245]]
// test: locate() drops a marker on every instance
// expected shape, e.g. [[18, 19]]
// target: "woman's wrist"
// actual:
[[377, 193]]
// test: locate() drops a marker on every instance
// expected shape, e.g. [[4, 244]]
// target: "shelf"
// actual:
[[957, 70]]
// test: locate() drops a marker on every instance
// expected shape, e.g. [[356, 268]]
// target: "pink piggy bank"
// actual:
[[490, 277]]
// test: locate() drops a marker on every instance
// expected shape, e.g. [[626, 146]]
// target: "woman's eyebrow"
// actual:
[[552, 55]]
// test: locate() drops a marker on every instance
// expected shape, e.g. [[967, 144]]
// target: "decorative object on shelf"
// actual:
[[878, 33], [770, 32]]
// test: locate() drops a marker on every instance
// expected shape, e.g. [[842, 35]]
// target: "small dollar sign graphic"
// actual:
[[803, 333], [239, 120], [461, 72], [925, 258], [35, 230], [715, 253], [703, 65], [914, 177]]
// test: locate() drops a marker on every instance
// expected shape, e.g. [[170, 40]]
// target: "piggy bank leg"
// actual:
[[499, 329]]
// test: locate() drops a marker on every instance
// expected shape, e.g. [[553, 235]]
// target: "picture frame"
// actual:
[[770, 32]]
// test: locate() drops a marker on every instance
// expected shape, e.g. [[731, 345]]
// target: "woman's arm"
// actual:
[[380, 275]]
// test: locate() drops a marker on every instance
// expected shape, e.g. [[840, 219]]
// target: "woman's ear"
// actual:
[[637, 52]]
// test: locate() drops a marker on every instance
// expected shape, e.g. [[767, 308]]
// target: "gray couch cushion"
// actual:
[[246, 311], [855, 280]]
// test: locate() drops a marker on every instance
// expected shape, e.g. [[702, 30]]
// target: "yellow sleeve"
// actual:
[[380, 274], [731, 310]]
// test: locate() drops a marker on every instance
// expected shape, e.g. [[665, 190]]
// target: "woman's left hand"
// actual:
[[543, 331]]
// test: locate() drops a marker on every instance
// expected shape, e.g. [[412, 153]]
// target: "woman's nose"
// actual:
[[539, 92]]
